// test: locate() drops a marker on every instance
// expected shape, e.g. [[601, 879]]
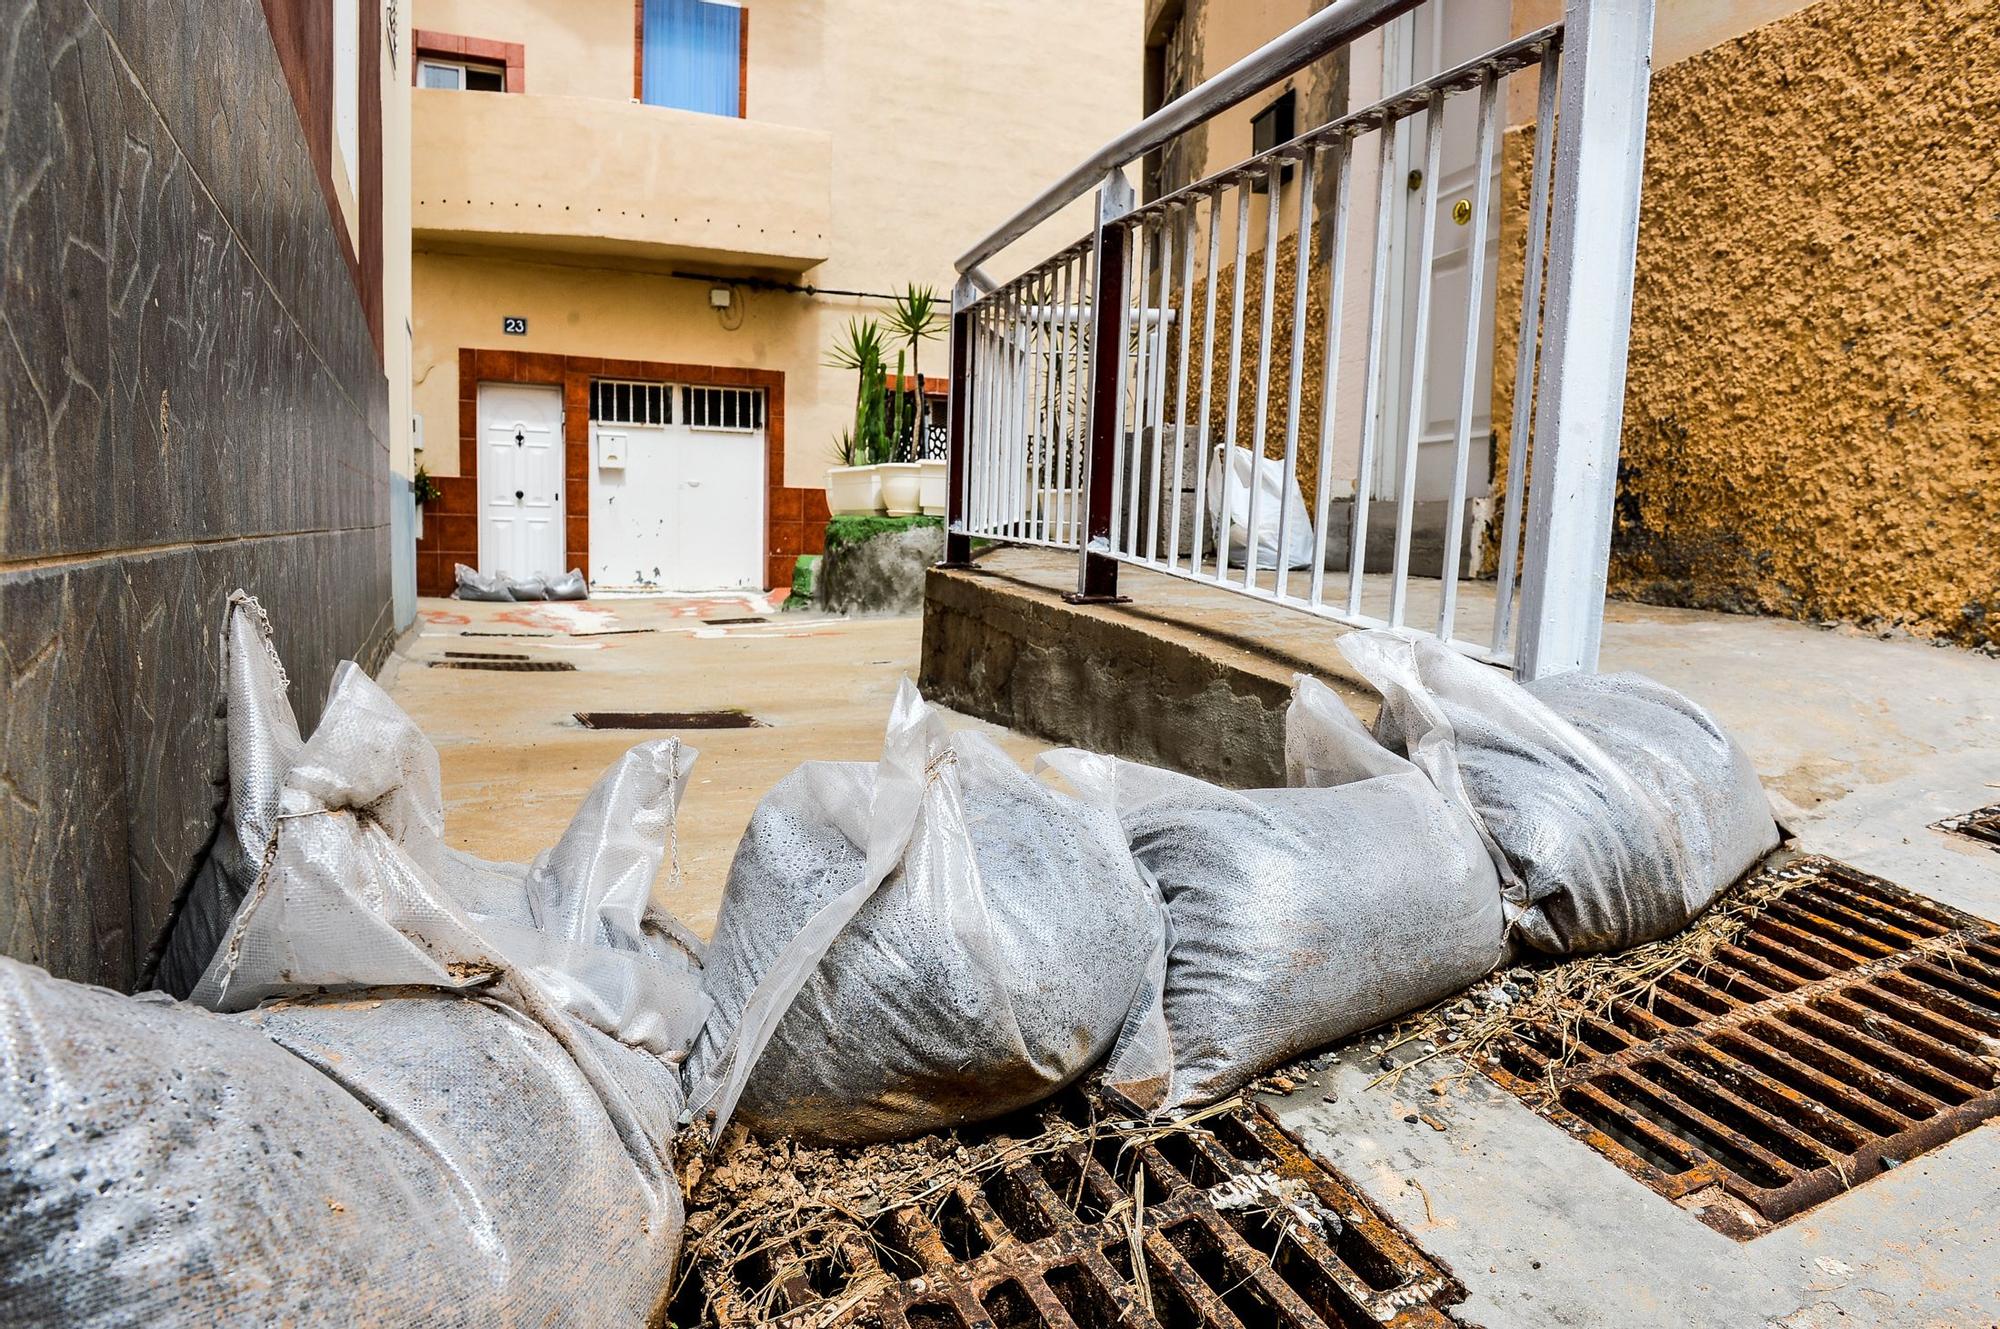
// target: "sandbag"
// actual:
[[532, 587], [931, 941], [401, 1158], [569, 586], [263, 743], [476, 585], [1297, 916], [1277, 502], [1614, 808]]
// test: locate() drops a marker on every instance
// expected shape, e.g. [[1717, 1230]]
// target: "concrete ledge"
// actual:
[[1185, 676]]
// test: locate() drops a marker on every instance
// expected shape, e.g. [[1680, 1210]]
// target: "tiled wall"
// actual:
[[192, 401], [794, 519]]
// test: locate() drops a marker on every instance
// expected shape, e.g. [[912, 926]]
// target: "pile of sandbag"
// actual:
[[934, 940], [1615, 809], [414, 1088], [472, 584]]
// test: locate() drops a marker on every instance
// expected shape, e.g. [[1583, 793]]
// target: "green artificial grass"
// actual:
[[844, 531]]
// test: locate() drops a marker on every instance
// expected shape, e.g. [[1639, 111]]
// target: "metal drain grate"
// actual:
[[1239, 1228], [1848, 1027], [522, 666], [1981, 824], [731, 622], [667, 720], [481, 655]]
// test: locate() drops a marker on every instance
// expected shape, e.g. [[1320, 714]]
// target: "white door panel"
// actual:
[[520, 479], [1438, 36], [677, 508]]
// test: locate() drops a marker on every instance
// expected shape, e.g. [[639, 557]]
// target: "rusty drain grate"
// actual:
[[1848, 1027], [1239, 1227], [481, 655], [731, 622], [523, 666], [668, 720], [1981, 824]]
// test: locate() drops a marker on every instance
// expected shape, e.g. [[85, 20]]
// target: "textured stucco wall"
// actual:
[[191, 401], [1812, 414]]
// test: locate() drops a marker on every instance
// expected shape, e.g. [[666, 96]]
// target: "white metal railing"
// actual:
[[1078, 423]]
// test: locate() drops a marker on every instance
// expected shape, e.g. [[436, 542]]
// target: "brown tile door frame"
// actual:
[[789, 522]]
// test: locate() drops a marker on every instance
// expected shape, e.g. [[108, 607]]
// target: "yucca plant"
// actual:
[[860, 347], [915, 318]]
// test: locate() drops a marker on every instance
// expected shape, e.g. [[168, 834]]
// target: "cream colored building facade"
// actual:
[[569, 233]]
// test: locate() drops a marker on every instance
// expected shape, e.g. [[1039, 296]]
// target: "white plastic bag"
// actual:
[[931, 941], [1276, 503], [1298, 916], [476, 585], [1615, 808]]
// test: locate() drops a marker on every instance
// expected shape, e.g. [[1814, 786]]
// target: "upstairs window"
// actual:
[[692, 54], [463, 75]]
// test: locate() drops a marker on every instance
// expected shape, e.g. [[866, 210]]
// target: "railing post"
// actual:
[[957, 542], [1600, 156], [1097, 572]]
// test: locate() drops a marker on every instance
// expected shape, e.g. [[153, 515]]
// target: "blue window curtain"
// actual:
[[692, 55]]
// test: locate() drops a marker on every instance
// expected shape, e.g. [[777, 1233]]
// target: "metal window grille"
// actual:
[[731, 410], [619, 402]]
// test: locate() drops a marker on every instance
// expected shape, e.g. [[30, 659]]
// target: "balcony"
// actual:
[[592, 176]]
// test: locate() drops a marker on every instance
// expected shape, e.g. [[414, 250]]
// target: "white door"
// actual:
[[677, 488], [1439, 36], [520, 479]]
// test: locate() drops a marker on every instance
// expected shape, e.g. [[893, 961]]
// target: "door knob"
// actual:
[[518, 495]]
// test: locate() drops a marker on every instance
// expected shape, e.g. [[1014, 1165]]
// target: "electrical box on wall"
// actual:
[[610, 450]]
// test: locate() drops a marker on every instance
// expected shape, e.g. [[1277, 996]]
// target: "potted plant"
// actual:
[[854, 486], [424, 490], [915, 318]]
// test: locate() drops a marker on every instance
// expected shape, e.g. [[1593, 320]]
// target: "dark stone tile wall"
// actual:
[[191, 401]]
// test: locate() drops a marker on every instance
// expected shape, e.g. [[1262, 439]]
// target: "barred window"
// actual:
[[736, 409], [618, 402]]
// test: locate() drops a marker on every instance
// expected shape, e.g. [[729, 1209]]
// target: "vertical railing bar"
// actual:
[[958, 444], [1260, 426], [1226, 522], [1097, 568], [1160, 333], [1329, 387], [1063, 365], [1301, 296], [1079, 399], [1030, 399], [1186, 212], [1533, 263], [981, 470], [1371, 403], [1046, 443], [1024, 396], [1125, 369], [1413, 431], [1010, 394], [1127, 505], [1475, 299], [1207, 385]]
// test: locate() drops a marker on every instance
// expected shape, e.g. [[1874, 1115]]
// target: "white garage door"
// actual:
[[676, 487]]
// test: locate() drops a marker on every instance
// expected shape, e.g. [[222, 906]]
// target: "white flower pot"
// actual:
[[902, 487], [936, 493], [853, 491]]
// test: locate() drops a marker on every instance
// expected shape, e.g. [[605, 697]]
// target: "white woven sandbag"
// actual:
[[399, 1158], [934, 940], [1615, 808], [472, 584], [1298, 916]]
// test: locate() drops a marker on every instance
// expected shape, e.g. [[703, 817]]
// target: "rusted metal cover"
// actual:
[[1981, 824], [1234, 1224], [1848, 1027], [511, 666]]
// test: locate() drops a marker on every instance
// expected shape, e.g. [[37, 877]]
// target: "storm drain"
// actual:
[[524, 666], [1225, 1221], [731, 622], [667, 720], [1982, 824], [1847, 1028], [481, 655]]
